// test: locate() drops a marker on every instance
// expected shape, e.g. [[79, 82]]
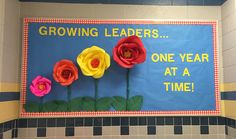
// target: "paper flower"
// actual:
[[40, 86], [65, 72], [129, 51], [93, 61]]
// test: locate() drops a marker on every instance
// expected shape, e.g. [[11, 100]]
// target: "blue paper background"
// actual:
[[146, 79]]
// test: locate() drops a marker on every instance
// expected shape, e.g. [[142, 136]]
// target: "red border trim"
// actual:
[[115, 113]]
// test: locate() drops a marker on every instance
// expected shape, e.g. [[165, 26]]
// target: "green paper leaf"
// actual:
[[31, 107], [88, 104], [135, 103], [119, 103], [104, 104], [76, 104], [55, 106]]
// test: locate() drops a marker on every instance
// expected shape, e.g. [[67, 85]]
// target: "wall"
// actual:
[[229, 63], [229, 50], [139, 127], [9, 59]]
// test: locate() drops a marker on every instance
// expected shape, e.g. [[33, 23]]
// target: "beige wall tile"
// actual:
[[229, 56], [32, 132], [155, 12], [169, 130], [219, 28], [195, 130], [142, 137], [232, 132], [228, 23], [213, 136], [187, 130], [160, 130], [97, 137], [2, 11], [11, 42], [221, 130], [22, 132], [229, 40], [169, 136], [228, 8], [115, 137], [7, 135], [142, 130], [160, 137], [115, 130], [79, 131], [203, 12], [60, 131], [221, 137], [106, 130], [213, 129], [205, 136], [124, 137], [178, 137], [229, 74], [133, 130], [51, 132], [106, 137], [151, 137], [187, 136], [84, 131], [133, 137]]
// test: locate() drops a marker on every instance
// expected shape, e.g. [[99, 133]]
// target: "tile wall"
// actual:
[[121, 128]]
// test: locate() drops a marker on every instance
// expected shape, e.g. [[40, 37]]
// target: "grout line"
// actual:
[[229, 66], [228, 49]]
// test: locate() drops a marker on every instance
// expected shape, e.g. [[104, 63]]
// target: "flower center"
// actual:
[[127, 54], [41, 87], [95, 63], [66, 74]]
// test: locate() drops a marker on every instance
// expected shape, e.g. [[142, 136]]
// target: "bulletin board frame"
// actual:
[[24, 71]]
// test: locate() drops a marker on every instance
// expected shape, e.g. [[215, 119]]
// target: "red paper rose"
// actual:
[[129, 51], [65, 72]]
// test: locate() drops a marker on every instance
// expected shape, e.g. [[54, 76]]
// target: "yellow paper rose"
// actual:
[[93, 61]]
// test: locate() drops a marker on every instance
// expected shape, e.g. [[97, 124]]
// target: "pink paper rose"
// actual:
[[40, 86]]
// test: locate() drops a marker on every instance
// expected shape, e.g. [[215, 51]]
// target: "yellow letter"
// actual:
[[106, 33], [71, 31], [52, 30], [187, 87], [186, 72], [123, 33], [61, 31], [170, 57], [205, 57], [146, 33], [43, 30], [167, 85], [155, 33], [130, 31], [139, 32], [115, 32], [155, 57], [94, 32], [182, 56]]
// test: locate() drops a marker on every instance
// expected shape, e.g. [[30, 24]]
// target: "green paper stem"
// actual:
[[127, 87], [95, 93], [40, 104], [69, 97]]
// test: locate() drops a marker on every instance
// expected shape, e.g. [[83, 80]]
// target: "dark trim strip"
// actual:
[[228, 95], [139, 2], [9, 96]]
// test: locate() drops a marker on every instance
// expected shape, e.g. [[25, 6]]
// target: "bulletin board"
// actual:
[[177, 74]]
